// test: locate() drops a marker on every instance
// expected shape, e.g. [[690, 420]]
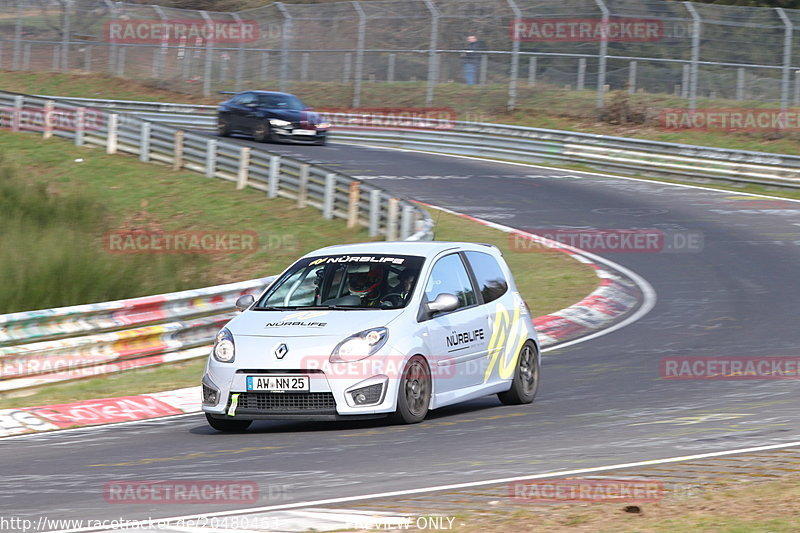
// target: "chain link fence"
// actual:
[[687, 50]]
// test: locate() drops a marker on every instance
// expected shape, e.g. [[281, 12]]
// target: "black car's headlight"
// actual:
[[224, 349], [360, 346], [278, 123]]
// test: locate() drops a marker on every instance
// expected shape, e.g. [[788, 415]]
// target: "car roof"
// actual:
[[426, 249], [265, 92]]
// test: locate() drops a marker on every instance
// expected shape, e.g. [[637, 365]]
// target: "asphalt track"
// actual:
[[600, 402]]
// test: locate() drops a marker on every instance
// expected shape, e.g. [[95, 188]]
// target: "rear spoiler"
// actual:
[[229, 92]]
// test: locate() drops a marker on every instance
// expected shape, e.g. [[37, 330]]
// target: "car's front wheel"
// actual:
[[261, 132], [526, 377], [228, 426], [223, 127], [414, 396]]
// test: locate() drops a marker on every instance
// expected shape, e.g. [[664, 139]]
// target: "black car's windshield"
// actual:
[[345, 282], [280, 101]]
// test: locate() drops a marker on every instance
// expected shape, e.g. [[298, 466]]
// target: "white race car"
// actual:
[[375, 329]]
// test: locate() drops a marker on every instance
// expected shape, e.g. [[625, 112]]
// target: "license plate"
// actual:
[[276, 383], [305, 132]]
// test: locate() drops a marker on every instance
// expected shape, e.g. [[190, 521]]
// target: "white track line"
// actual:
[[455, 486]]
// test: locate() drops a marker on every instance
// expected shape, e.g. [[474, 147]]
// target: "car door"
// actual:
[[457, 339], [242, 112]]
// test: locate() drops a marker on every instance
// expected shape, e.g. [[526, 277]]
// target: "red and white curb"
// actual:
[[619, 294]]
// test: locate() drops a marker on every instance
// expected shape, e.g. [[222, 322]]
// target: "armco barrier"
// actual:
[[47, 346], [530, 145]]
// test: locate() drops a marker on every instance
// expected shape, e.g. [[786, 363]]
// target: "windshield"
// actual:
[[345, 282], [280, 101]]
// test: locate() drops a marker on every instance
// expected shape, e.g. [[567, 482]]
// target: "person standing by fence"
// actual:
[[472, 59]]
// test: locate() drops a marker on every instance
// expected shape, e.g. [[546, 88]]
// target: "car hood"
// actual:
[[310, 323], [293, 116]]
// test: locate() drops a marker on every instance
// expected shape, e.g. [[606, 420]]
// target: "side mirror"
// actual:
[[244, 302], [251, 104], [443, 303]]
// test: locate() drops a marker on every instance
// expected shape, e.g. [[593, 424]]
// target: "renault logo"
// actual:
[[281, 351]]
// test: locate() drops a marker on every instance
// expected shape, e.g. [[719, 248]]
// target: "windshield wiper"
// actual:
[[272, 308]]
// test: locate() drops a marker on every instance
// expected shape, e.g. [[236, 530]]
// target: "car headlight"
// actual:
[[279, 123], [224, 350], [360, 346], [324, 125]]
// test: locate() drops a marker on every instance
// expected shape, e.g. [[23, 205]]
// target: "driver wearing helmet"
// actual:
[[367, 285]]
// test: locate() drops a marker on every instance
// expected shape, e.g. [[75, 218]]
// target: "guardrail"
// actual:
[[530, 145], [47, 346]]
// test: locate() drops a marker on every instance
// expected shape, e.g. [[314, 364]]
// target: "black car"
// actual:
[[270, 116]]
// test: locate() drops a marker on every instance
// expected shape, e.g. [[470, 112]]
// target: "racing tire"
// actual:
[[262, 133], [322, 142], [526, 377], [414, 393], [223, 128], [228, 426]]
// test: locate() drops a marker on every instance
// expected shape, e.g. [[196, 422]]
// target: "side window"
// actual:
[[491, 280], [450, 276], [247, 98], [299, 289]]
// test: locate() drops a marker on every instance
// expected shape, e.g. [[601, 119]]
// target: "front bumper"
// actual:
[[287, 134]]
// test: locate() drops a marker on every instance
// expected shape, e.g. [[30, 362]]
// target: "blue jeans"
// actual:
[[470, 73]]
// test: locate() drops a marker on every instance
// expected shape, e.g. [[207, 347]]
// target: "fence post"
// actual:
[[330, 192], [359, 70], [144, 143], [302, 186], [160, 56], [406, 220], [374, 212], [211, 158], [47, 129], [112, 49], [274, 176], [632, 78], [304, 66], [581, 74], [177, 157], [390, 68], [433, 59], [87, 58], [352, 206], [740, 84], [111, 140], [601, 65], [66, 34], [484, 69], [244, 167], [80, 125], [797, 87], [391, 219], [285, 42], [787, 57], [532, 71], [348, 59], [264, 66], [15, 64], [686, 75], [696, 28], [56, 58], [512, 83], [208, 60], [239, 54]]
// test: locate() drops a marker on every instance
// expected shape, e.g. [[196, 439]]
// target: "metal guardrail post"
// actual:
[[211, 158], [80, 125], [302, 186], [374, 212], [330, 192], [391, 219], [15, 62], [787, 58], [354, 197], [19, 101], [433, 58], [244, 168], [144, 143], [285, 44], [208, 61], [47, 127], [512, 82], [601, 66], [113, 126], [177, 153], [359, 70], [696, 29], [274, 176]]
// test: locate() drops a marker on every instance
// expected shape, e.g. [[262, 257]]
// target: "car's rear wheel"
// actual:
[[526, 377], [223, 127], [322, 142], [228, 426], [261, 132], [414, 396]]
